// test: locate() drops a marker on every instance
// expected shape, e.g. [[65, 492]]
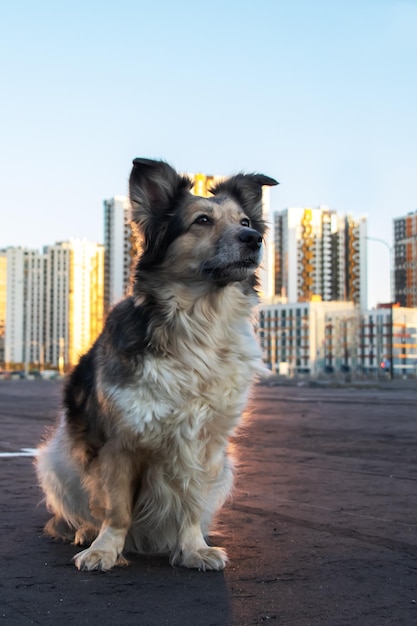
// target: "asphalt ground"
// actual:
[[322, 529]]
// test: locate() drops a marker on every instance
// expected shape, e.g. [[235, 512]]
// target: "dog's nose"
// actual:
[[251, 238]]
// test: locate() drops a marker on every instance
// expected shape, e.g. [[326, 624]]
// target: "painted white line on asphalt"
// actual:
[[23, 452]]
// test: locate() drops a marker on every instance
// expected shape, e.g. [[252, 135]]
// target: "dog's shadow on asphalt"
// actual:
[[41, 585], [146, 591]]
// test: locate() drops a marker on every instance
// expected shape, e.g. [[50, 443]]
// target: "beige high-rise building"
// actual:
[[97, 293], [86, 296]]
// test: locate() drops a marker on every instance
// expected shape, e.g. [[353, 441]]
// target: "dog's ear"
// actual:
[[246, 189], [154, 189]]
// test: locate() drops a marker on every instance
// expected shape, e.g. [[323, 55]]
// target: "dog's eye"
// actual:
[[203, 219], [245, 222]]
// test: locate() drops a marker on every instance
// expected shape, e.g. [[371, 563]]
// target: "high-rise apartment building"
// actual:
[[3, 286], [74, 306], [54, 303], [97, 292], [267, 269], [319, 255], [25, 306], [405, 260], [120, 250], [57, 314], [14, 312]]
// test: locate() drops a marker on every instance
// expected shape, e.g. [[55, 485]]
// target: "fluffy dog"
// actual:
[[138, 461]]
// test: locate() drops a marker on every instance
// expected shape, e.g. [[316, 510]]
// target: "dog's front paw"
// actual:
[[202, 559], [94, 558]]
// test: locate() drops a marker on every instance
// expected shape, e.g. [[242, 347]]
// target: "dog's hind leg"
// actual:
[[58, 528], [60, 480], [85, 535]]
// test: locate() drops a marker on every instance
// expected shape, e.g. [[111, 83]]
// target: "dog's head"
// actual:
[[189, 238]]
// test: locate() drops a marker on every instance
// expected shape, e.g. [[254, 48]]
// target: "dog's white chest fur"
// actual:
[[205, 377]]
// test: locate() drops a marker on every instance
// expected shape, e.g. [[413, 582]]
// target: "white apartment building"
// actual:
[[266, 271], [57, 305], [15, 309], [24, 332], [120, 249]]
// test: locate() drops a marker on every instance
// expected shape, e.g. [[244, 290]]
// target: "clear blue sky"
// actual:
[[320, 94]]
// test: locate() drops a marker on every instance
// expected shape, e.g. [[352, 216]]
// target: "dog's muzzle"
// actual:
[[237, 256]]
